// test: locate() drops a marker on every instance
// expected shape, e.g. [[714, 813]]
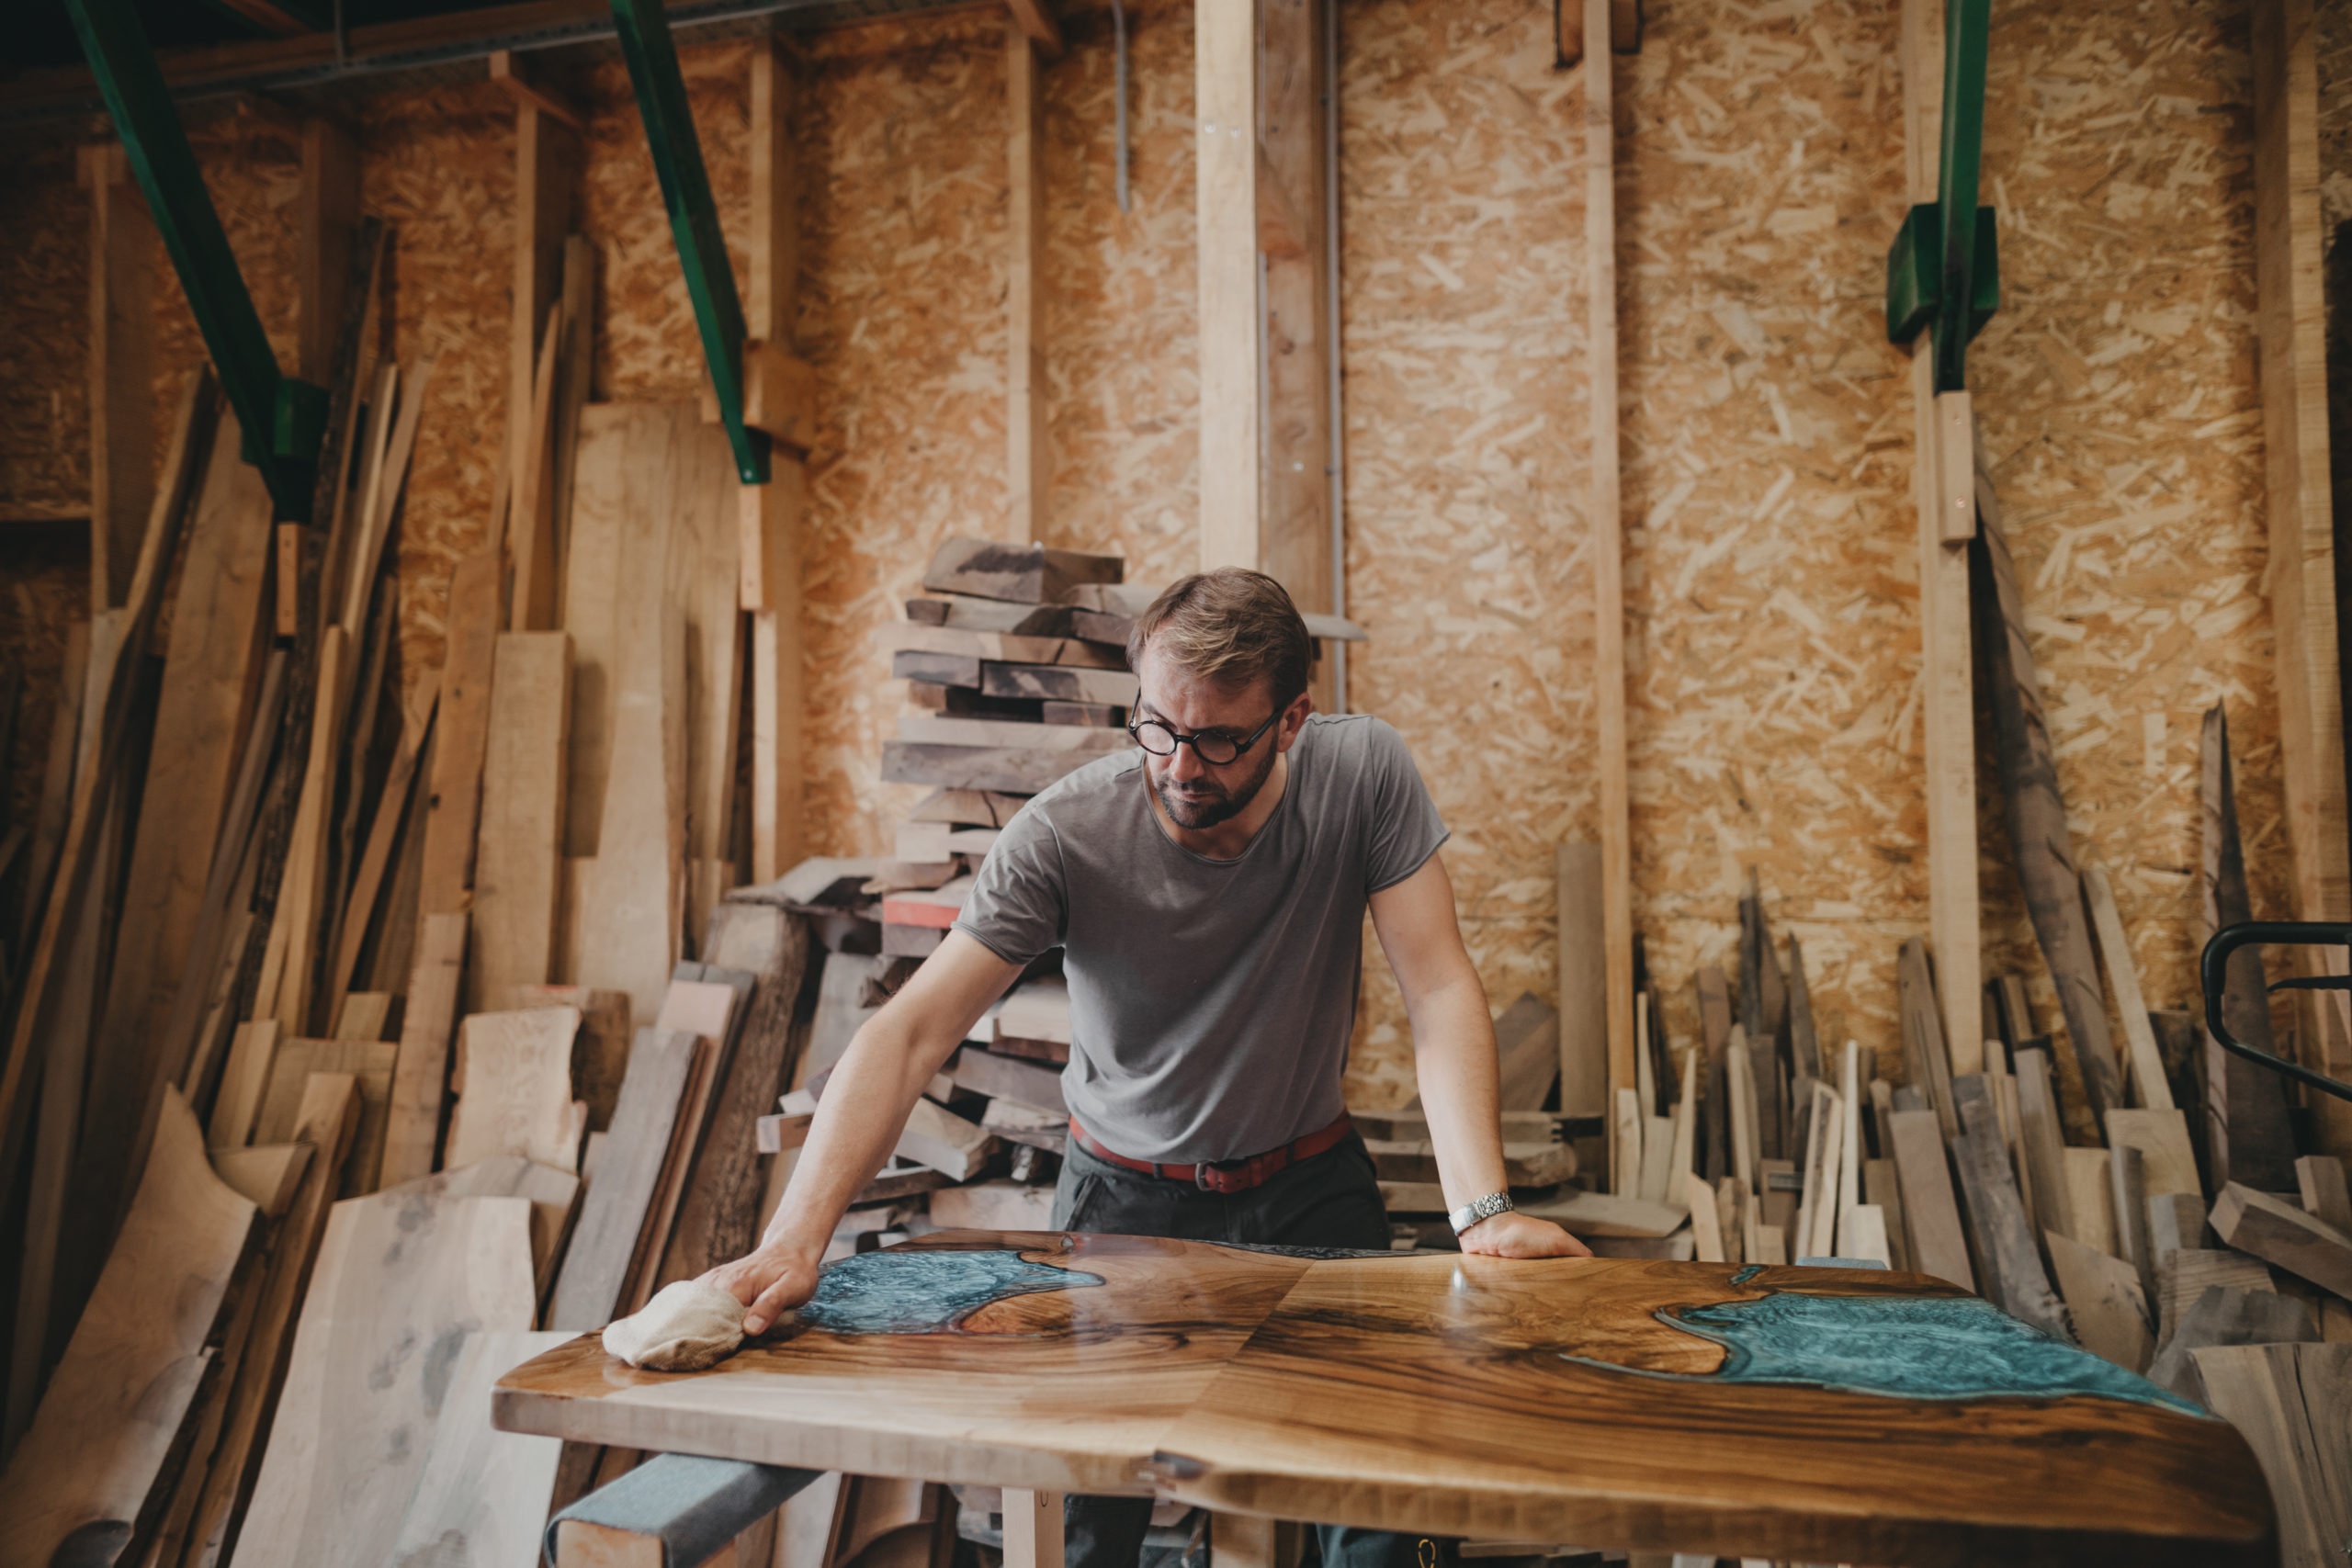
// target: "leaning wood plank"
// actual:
[[1028, 574], [599, 1053], [267, 1175], [1584, 1003], [398, 1277], [513, 1083], [1527, 1035], [461, 739], [631, 909], [2247, 1137], [2043, 1145], [480, 1492], [1925, 1057], [2149, 1086], [210, 669], [330, 1117], [302, 891], [2188, 1272], [421, 1072], [1997, 1216], [518, 861], [596, 1266], [944, 1141], [2162, 1138], [391, 810], [2276, 1396], [717, 1218], [81, 1485], [2279, 1233], [2039, 837], [552, 1193]]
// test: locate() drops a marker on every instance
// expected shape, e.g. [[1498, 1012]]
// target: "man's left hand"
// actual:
[[1514, 1234]]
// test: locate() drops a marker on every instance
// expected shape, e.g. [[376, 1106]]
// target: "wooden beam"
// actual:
[[273, 19], [1289, 161], [547, 172], [1036, 22], [1942, 464], [1029, 467], [522, 85], [772, 512], [2297, 469], [1282, 228], [123, 380], [1568, 30], [1608, 541], [1224, 64], [330, 216]]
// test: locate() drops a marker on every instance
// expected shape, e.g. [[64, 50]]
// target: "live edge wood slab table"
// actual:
[[1798, 1413]]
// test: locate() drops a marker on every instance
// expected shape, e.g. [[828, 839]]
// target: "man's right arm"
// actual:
[[867, 1100]]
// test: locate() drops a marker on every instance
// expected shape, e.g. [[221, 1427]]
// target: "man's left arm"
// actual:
[[1454, 1056]]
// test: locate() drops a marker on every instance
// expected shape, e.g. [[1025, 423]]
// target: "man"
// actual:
[[1208, 890]]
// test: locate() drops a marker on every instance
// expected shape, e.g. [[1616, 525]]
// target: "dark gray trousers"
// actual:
[[1331, 1199]]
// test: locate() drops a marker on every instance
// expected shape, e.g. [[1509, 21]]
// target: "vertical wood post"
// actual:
[[122, 379], [330, 215], [2297, 479], [772, 512], [1295, 506], [546, 169], [1225, 63], [1608, 547], [1028, 469], [1942, 484]]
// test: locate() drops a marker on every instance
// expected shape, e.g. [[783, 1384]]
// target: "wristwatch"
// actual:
[[1484, 1208]]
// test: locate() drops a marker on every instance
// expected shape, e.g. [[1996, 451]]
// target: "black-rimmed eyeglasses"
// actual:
[[1214, 747]]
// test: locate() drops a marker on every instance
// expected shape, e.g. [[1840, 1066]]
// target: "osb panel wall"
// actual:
[[44, 334], [1122, 399], [1464, 345], [439, 167]]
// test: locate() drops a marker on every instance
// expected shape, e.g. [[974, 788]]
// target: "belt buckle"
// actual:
[[1204, 1170]]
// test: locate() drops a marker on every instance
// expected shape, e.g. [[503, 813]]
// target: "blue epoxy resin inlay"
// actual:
[[1901, 1347], [924, 1292]]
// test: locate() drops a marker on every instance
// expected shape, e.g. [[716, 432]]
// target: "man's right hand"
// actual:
[[770, 1281]]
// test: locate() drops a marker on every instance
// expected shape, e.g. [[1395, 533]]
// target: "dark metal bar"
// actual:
[[1967, 37], [282, 419], [694, 218]]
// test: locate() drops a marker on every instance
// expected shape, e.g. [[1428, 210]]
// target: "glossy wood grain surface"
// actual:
[[1807, 1413]]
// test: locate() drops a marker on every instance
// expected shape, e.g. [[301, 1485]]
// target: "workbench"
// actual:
[[1810, 1413]]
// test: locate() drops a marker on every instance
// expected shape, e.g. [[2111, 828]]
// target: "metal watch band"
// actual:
[[1484, 1208]]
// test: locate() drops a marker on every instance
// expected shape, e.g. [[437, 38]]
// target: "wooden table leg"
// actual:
[[1032, 1529], [1242, 1541]]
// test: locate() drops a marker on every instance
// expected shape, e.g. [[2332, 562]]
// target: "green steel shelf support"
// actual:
[[1943, 273], [694, 218], [284, 420]]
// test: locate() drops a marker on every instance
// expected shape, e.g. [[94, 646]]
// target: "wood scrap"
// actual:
[[2227, 1315], [2162, 1138], [2188, 1273], [1924, 1057], [2043, 1145], [553, 1195], [1527, 1036], [1584, 1024], [2103, 1297], [2320, 1179], [2090, 1198], [1995, 1216], [514, 1084], [266, 1175], [2287, 1401], [461, 735], [2149, 1086], [600, 1051], [2283, 1234], [1027, 574]]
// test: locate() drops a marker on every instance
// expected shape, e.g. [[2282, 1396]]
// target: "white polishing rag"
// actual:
[[685, 1327]]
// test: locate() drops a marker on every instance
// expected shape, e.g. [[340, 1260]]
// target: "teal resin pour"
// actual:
[[924, 1292], [1901, 1347]]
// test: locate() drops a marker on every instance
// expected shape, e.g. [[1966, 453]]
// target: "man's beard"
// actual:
[[1210, 803]]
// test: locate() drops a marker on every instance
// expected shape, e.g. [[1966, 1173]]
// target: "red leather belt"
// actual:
[[1224, 1175]]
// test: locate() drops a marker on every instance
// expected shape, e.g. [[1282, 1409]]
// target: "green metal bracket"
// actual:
[[694, 218], [283, 419], [1943, 272], [1915, 274]]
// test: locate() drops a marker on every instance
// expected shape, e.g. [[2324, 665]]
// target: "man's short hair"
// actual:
[[1231, 626]]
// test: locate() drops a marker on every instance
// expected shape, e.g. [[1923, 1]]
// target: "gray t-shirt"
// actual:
[[1211, 1001]]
